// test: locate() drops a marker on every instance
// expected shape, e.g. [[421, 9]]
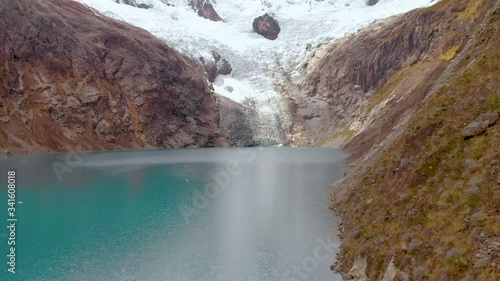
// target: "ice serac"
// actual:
[[72, 79]]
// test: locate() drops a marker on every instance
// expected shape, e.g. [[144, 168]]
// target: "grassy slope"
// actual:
[[412, 203]]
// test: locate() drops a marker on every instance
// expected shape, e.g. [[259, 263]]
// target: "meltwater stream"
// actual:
[[251, 214]]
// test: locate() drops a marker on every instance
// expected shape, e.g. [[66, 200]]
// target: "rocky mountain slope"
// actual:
[[239, 33], [342, 89], [72, 79], [416, 100]]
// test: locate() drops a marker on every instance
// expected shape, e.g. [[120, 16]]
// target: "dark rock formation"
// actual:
[[223, 67], [235, 122], [134, 3], [144, 6], [210, 68], [266, 26], [73, 81], [215, 66], [205, 9], [371, 2], [166, 2]]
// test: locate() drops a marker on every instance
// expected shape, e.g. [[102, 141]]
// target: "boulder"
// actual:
[[266, 26], [473, 191], [223, 67], [215, 66], [480, 125], [205, 9], [490, 118], [371, 2], [478, 218]]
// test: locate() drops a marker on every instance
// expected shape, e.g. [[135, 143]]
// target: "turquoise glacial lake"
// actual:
[[221, 214]]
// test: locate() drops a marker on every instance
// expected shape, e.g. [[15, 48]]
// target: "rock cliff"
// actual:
[[343, 83], [72, 79], [415, 99]]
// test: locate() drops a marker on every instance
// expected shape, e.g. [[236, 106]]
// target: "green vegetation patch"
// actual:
[[450, 53], [438, 191], [472, 10], [345, 135]]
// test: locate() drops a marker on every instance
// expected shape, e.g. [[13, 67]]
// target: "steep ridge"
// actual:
[[343, 84], [416, 100], [72, 79]]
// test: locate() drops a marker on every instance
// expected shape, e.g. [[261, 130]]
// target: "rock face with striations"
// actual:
[[236, 122], [418, 95], [267, 26], [345, 82], [71, 80]]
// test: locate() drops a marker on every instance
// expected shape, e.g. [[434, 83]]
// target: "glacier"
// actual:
[[259, 64]]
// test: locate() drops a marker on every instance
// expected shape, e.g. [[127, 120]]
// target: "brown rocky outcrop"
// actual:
[[205, 9], [266, 26], [420, 200], [345, 80], [71, 80]]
